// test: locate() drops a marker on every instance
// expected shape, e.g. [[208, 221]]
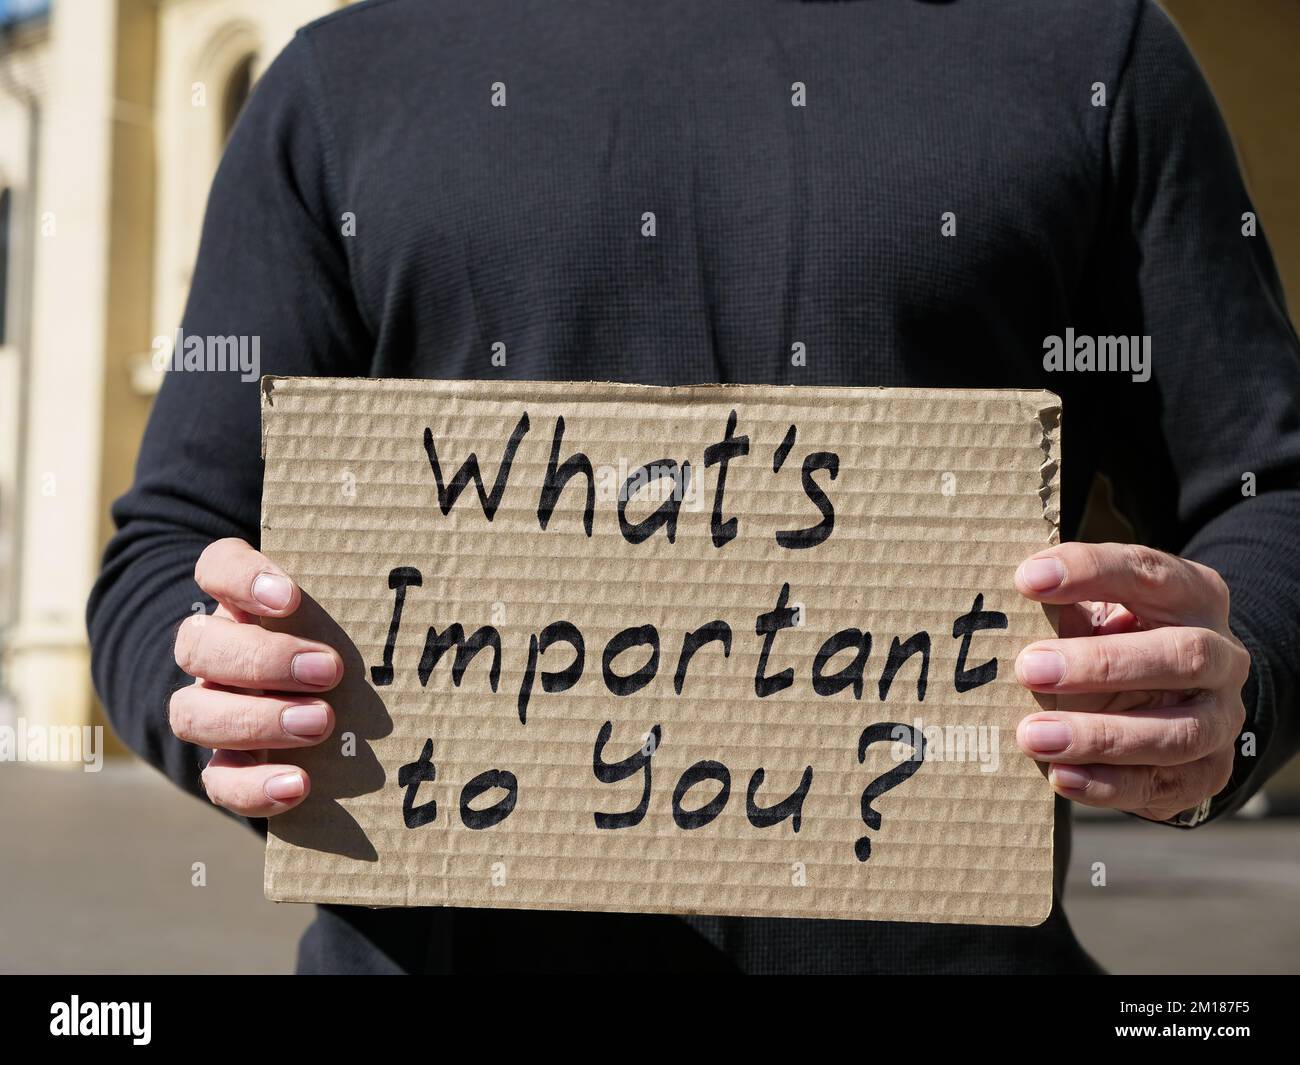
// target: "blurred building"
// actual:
[[113, 114]]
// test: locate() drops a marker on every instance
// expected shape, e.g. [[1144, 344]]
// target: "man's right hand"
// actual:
[[254, 690]]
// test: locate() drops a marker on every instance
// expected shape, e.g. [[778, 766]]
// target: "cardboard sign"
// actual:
[[718, 649]]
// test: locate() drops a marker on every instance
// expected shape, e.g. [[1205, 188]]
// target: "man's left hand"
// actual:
[[1147, 673]]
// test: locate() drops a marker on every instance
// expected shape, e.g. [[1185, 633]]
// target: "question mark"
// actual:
[[885, 730]]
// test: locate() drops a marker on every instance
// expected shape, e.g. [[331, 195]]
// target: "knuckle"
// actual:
[[1110, 739], [1195, 652], [1103, 662], [240, 659], [1188, 737], [214, 560], [239, 662], [209, 781], [203, 565], [1083, 560], [1070, 554], [1217, 587], [1241, 662], [1149, 568], [227, 545], [1236, 716], [221, 658], [1161, 787], [230, 791], [249, 795], [188, 638], [244, 725], [180, 714], [258, 660]]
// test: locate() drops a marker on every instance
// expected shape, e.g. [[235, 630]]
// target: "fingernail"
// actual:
[[285, 787], [315, 668], [1047, 737], [273, 591], [1042, 574], [1041, 667], [307, 721], [1069, 777]]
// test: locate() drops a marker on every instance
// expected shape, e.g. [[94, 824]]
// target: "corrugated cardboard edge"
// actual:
[[1047, 409], [267, 387], [1049, 419]]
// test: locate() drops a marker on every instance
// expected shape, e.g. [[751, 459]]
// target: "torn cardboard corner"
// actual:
[[716, 649]]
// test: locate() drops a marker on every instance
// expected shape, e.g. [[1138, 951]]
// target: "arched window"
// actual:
[[212, 68]]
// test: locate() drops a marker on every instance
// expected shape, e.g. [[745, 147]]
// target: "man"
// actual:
[[916, 194]]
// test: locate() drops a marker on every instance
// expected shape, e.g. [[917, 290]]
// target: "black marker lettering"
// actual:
[[613, 772], [698, 773], [665, 515], [783, 450], [767, 626], [719, 454], [824, 684], [398, 579], [410, 777], [900, 652], [437, 644], [718, 631], [964, 628], [448, 494], [625, 640], [557, 476], [560, 680], [805, 538], [791, 806], [497, 812]]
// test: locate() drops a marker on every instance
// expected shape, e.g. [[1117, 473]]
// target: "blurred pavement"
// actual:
[[95, 874]]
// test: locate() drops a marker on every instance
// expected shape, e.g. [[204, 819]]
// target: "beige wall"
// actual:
[[1250, 54], [24, 76], [127, 150], [200, 45], [60, 510]]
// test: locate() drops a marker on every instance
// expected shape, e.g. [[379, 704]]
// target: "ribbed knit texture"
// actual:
[[775, 225]]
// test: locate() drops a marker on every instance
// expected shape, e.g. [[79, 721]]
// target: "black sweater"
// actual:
[[376, 215]]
